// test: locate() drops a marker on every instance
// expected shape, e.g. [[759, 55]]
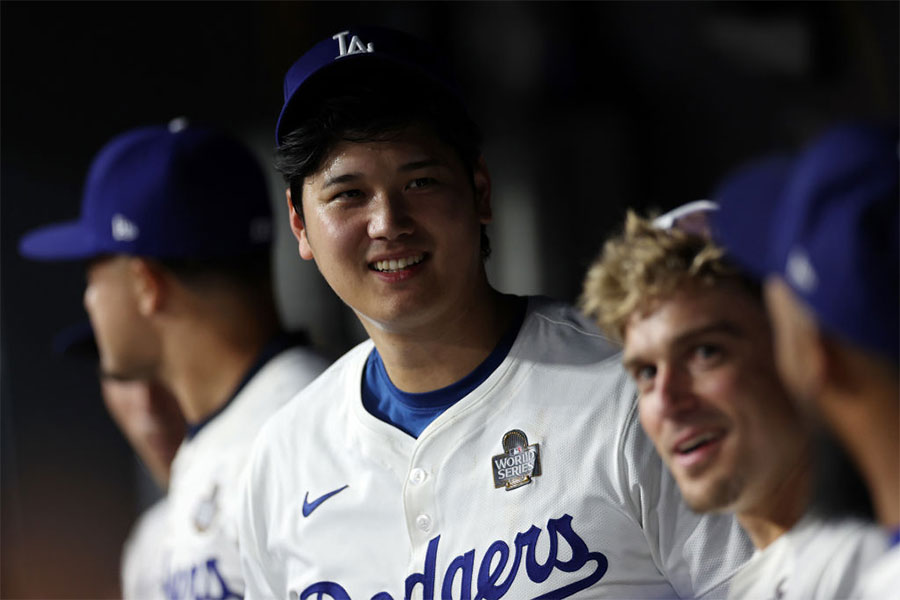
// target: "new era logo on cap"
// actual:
[[800, 272], [124, 230]]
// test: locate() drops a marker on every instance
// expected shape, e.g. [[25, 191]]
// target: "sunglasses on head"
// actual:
[[692, 218]]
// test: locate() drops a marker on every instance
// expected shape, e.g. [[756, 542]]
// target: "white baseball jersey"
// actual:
[[142, 564], [201, 552], [882, 579], [339, 504], [814, 560]]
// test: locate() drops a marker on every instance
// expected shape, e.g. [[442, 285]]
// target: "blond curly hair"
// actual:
[[646, 263]]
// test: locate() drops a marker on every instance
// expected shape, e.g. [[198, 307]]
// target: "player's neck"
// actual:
[[426, 360], [862, 408], [207, 357], [780, 506], [872, 439]]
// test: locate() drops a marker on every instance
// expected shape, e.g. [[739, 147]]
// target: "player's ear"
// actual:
[[482, 183], [796, 335], [298, 227], [148, 285], [818, 357]]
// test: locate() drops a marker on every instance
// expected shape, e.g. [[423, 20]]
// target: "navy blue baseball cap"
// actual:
[[176, 191], [375, 46], [826, 221]]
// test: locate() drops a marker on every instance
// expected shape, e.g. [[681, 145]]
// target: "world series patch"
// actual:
[[206, 510], [519, 462]]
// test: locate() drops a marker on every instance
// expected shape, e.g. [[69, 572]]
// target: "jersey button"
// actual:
[[423, 522], [417, 476]]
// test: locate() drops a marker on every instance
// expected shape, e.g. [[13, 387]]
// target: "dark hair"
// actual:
[[248, 274], [367, 102]]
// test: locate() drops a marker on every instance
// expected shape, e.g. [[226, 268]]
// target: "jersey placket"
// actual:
[[420, 507]]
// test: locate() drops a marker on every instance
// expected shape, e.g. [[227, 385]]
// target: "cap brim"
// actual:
[[748, 202], [63, 241]]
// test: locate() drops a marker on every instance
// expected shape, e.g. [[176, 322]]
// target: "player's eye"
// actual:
[[351, 194], [421, 182], [643, 375], [707, 354]]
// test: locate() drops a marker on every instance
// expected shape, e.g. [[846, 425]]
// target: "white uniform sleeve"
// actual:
[[848, 549], [815, 560], [257, 565], [882, 579], [698, 554]]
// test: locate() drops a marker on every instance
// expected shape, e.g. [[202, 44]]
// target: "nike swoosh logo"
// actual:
[[308, 507]]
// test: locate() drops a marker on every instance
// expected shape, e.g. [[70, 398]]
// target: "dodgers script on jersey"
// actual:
[[339, 504], [200, 557], [813, 561]]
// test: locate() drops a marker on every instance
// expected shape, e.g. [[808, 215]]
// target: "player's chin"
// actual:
[[122, 371], [710, 493]]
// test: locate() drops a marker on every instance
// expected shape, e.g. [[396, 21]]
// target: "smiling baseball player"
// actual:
[[479, 445], [176, 229], [697, 342]]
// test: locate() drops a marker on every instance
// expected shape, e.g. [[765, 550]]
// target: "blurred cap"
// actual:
[[827, 222], [176, 191], [375, 46]]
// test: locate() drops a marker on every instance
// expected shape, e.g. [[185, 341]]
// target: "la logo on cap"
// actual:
[[356, 46]]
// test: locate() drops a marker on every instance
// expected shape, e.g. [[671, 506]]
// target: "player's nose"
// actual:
[[389, 216], [673, 390], [86, 298]]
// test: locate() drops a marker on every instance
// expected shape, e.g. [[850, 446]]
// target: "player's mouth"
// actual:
[[395, 265], [697, 448]]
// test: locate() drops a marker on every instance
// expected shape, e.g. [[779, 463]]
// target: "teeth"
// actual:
[[388, 266], [696, 441]]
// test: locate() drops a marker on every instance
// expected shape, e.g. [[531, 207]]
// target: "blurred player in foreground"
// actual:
[[149, 417], [698, 343], [176, 229], [479, 444], [822, 227]]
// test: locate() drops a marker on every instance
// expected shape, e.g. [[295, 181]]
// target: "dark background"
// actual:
[[587, 108]]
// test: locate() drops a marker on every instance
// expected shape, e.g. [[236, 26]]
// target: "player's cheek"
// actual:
[[649, 416], [88, 299]]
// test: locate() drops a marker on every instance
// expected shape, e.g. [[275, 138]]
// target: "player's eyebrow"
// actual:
[[420, 164], [724, 327], [405, 168], [339, 179], [630, 361]]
